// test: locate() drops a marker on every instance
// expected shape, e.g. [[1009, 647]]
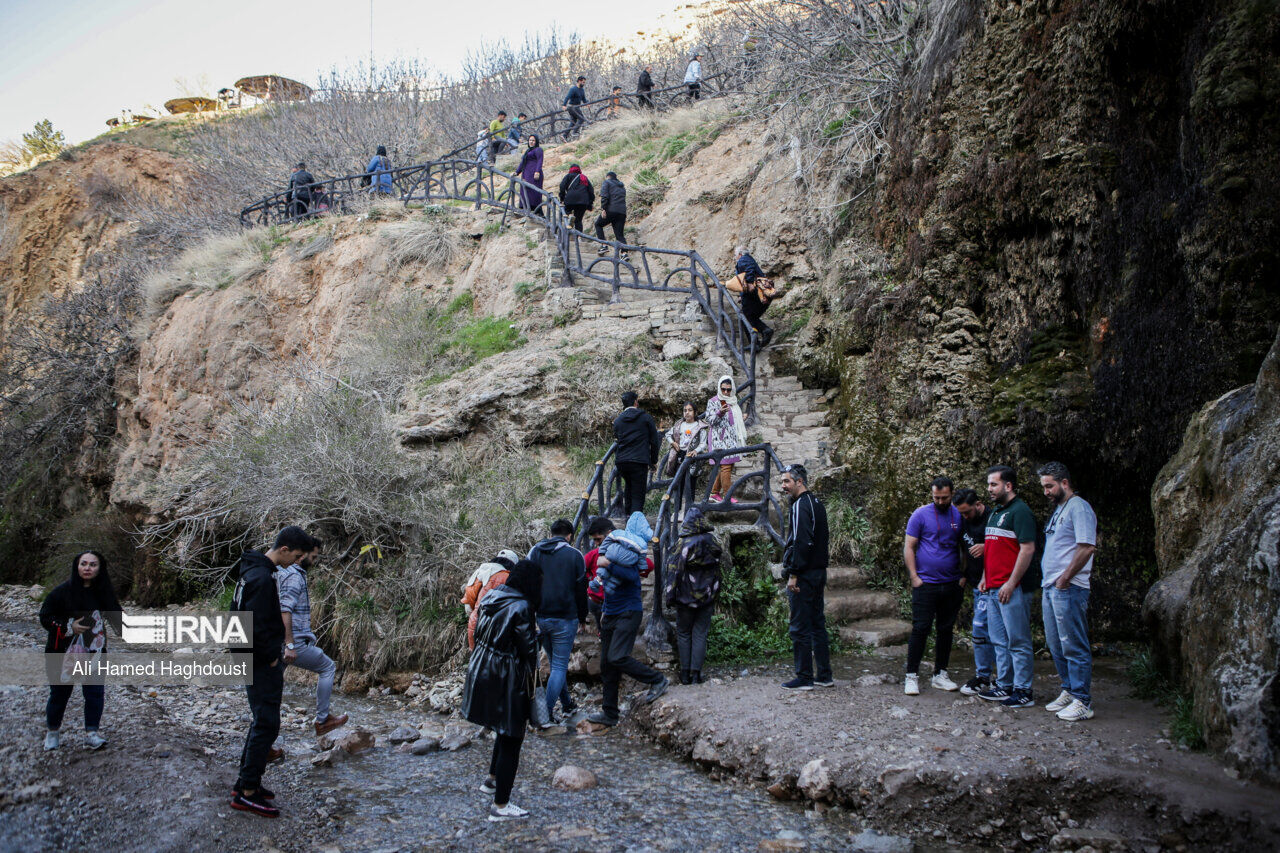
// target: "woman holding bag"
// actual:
[[726, 429], [75, 614], [499, 688]]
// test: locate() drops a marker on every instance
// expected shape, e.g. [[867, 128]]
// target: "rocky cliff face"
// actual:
[[1216, 609]]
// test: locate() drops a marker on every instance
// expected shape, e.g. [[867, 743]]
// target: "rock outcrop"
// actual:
[[1215, 612]]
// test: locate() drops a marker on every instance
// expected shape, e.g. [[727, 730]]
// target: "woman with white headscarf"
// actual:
[[727, 429]]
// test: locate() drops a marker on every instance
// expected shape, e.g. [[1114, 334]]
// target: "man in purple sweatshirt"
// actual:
[[932, 554]]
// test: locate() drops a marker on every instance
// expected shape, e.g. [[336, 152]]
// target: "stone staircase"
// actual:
[[863, 615]]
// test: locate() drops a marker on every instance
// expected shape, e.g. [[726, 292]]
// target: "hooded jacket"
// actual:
[[646, 82], [564, 579], [499, 686], [256, 592], [72, 600], [576, 189], [694, 579], [613, 197], [300, 185], [637, 435], [625, 550]]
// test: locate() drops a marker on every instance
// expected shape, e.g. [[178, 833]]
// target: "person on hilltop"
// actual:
[[976, 515], [931, 550], [804, 561], [256, 592], [613, 211], [488, 577], [1071, 540], [574, 99], [693, 76], [498, 693], [691, 589], [300, 648], [562, 609], [530, 171], [495, 135], [576, 194], [637, 453], [615, 102], [644, 87], [75, 615], [379, 172], [620, 566], [726, 429], [1009, 547], [299, 192], [755, 291]]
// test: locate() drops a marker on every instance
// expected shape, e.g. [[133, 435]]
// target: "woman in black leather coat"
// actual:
[[499, 686]]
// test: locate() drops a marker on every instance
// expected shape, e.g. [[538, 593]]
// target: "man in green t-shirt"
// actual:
[[495, 135], [1009, 546]]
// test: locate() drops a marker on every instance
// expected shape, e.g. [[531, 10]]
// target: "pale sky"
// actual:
[[79, 62]]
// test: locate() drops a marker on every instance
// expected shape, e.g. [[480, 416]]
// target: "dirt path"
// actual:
[[948, 769]]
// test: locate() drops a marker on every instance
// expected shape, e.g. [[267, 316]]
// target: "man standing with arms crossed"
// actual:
[[300, 647], [1010, 545], [805, 563], [1071, 538], [931, 551]]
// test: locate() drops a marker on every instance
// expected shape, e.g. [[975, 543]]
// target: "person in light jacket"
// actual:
[[379, 172], [693, 77]]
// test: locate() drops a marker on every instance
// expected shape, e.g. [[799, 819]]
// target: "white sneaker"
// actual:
[[53, 740], [508, 812], [1064, 699], [912, 685], [95, 740], [1075, 712], [489, 786], [941, 681]]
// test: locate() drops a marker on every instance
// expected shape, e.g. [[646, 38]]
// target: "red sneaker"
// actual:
[[254, 803]]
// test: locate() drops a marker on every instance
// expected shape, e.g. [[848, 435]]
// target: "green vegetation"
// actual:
[[526, 289], [1150, 683], [43, 140], [583, 457], [834, 128], [1053, 379]]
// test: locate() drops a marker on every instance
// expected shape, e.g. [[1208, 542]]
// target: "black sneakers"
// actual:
[[263, 792], [657, 690], [995, 694], [818, 682], [254, 803], [601, 719], [975, 686], [1018, 699], [797, 683]]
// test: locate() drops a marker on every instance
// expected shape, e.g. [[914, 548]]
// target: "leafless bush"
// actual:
[[103, 192], [217, 262], [429, 241], [304, 250], [8, 231]]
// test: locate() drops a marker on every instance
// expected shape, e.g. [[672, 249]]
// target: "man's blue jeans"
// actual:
[[556, 636], [1066, 629], [984, 654], [1009, 626]]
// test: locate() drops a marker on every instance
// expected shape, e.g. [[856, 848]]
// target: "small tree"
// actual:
[[43, 139]]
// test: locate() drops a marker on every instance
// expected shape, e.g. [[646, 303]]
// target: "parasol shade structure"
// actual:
[[191, 104], [271, 87]]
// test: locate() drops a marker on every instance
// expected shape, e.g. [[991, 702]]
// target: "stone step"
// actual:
[[876, 632], [845, 606], [846, 577]]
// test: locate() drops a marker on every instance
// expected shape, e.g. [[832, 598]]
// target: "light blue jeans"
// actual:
[[984, 654], [1009, 626], [312, 657], [556, 636], [1066, 629]]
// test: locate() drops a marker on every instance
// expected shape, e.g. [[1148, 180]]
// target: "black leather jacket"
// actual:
[[499, 684]]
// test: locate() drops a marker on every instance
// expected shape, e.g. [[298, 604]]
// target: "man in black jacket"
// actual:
[[805, 562], [638, 447], [256, 592], [613, 210], [576, 97], [645, 86], [300, 190], [563, 610]]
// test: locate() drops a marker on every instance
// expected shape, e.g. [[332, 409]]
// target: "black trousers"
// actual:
[[645, 99], [808, 627], [504, 763], [635, 483], [264, 704], [617, 220], [577, 211], [692, 626], [577, 121], [933, 603], [617, 639], [753, 312], [59, 694], [695, 90]]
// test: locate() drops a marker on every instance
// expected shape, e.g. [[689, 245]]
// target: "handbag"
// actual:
[[539, 716], [75, 656], [766, 290]]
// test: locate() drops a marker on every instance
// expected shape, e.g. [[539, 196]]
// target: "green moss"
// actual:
[[1053, 378]]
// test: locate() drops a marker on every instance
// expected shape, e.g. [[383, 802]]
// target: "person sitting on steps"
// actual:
[[756, 292]]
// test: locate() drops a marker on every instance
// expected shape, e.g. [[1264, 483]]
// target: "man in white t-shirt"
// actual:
[[1071, 538]]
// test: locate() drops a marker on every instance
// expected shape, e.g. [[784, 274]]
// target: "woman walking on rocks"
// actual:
[[692, 587], [75, 615], [727, 429], [499, 687], [530, 171]]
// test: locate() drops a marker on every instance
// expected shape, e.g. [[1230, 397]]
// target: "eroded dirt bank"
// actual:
[[953, 770]]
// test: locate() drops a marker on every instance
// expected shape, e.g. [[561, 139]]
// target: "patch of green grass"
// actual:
[[528, 288], [1149, 682], [484, 337], [583, 457], [683, 368], [493, 228], [564, 318]]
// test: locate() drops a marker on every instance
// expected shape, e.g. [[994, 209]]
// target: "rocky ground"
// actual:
[[953, 770]]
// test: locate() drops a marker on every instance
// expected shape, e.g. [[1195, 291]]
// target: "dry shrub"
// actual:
[[303, 250], [217, 262], [430, 241]]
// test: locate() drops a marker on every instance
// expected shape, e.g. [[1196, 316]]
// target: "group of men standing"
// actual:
[[956, 540]]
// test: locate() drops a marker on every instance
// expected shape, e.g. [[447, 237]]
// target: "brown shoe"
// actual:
[[330, 723], [274, 754]]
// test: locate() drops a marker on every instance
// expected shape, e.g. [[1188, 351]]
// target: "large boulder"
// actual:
[[1214, 611]]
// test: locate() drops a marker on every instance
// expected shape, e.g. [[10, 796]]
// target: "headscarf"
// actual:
[[526, 579], [731, 398], [482, 574], [575, 169]]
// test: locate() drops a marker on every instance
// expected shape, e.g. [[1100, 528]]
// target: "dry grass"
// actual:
[[213, 264], [429, 241]]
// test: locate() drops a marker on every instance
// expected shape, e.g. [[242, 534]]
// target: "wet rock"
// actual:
[[455, 741], [570, 777], [785, 840], [356, 742], [815, 779], [424, 745], [329, 757], [870, 841], [782, 790], [1099, 839], [703, 750], [586, 727], [404, 734]]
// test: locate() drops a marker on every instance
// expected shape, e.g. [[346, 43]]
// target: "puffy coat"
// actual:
[[613, 196], [694, 579], [499, 686], [576, 190]]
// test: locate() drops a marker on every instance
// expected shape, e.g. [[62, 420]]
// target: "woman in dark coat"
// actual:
[[576, 194], [76, 612], [499, 688], [530, 171], [692, 587]]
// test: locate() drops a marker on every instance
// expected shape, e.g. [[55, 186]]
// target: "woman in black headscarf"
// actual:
[[75, 613], [499, 688]]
